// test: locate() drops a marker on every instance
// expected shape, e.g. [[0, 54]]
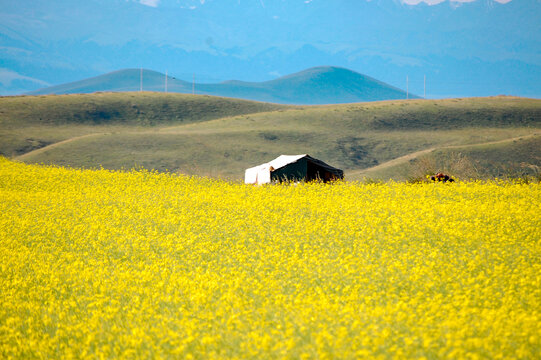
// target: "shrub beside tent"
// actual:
[[292, 168]]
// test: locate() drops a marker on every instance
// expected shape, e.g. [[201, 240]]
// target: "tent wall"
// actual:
[[321, 171], [314, 172], [257, 175], [292, 172], [292, 168]]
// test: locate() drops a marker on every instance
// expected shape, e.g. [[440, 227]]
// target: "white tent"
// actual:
[[261, 174], [291, 167]]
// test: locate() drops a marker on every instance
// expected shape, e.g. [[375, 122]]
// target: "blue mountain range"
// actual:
[[451, 49], [315, 86]]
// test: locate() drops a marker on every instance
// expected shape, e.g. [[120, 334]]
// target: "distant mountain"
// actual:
[[318, 85], [476, 48], [118, 81]]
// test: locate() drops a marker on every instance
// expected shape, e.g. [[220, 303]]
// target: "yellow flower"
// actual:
[[105, 264]]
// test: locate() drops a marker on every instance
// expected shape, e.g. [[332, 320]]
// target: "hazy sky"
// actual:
[[152, 3], [155, 3], [430, 2]]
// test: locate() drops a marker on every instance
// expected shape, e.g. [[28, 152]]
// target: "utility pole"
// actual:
[[141, 81], [424, 88], [407, 87], [166, 81]]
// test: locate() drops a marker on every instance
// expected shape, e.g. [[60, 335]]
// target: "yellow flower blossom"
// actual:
[[104, 264]]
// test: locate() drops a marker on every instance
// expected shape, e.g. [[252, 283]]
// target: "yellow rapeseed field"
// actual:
[[101, 264]]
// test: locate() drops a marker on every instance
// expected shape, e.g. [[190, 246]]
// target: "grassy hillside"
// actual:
[[508, 158], [222, 137], [31, 122], [146, 108], [319, 85], [517, 157]]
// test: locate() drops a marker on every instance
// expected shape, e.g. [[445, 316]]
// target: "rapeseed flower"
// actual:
[[104, 264]]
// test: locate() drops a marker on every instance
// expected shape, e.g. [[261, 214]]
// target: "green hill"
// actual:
[[222, 137], [507, 158], [320, 85], [29, 122], [515, 157]]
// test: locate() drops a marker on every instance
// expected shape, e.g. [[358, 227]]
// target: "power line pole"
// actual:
[[425, 88], [407, 87]]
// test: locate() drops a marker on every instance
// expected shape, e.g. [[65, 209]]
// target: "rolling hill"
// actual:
[[30, 122], [212, 136], [319, 85]]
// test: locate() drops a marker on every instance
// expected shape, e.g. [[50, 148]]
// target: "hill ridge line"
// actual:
[[172, 130], [232, 117], [54, 145], [316, 85], [416, 154], [387, 164]]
